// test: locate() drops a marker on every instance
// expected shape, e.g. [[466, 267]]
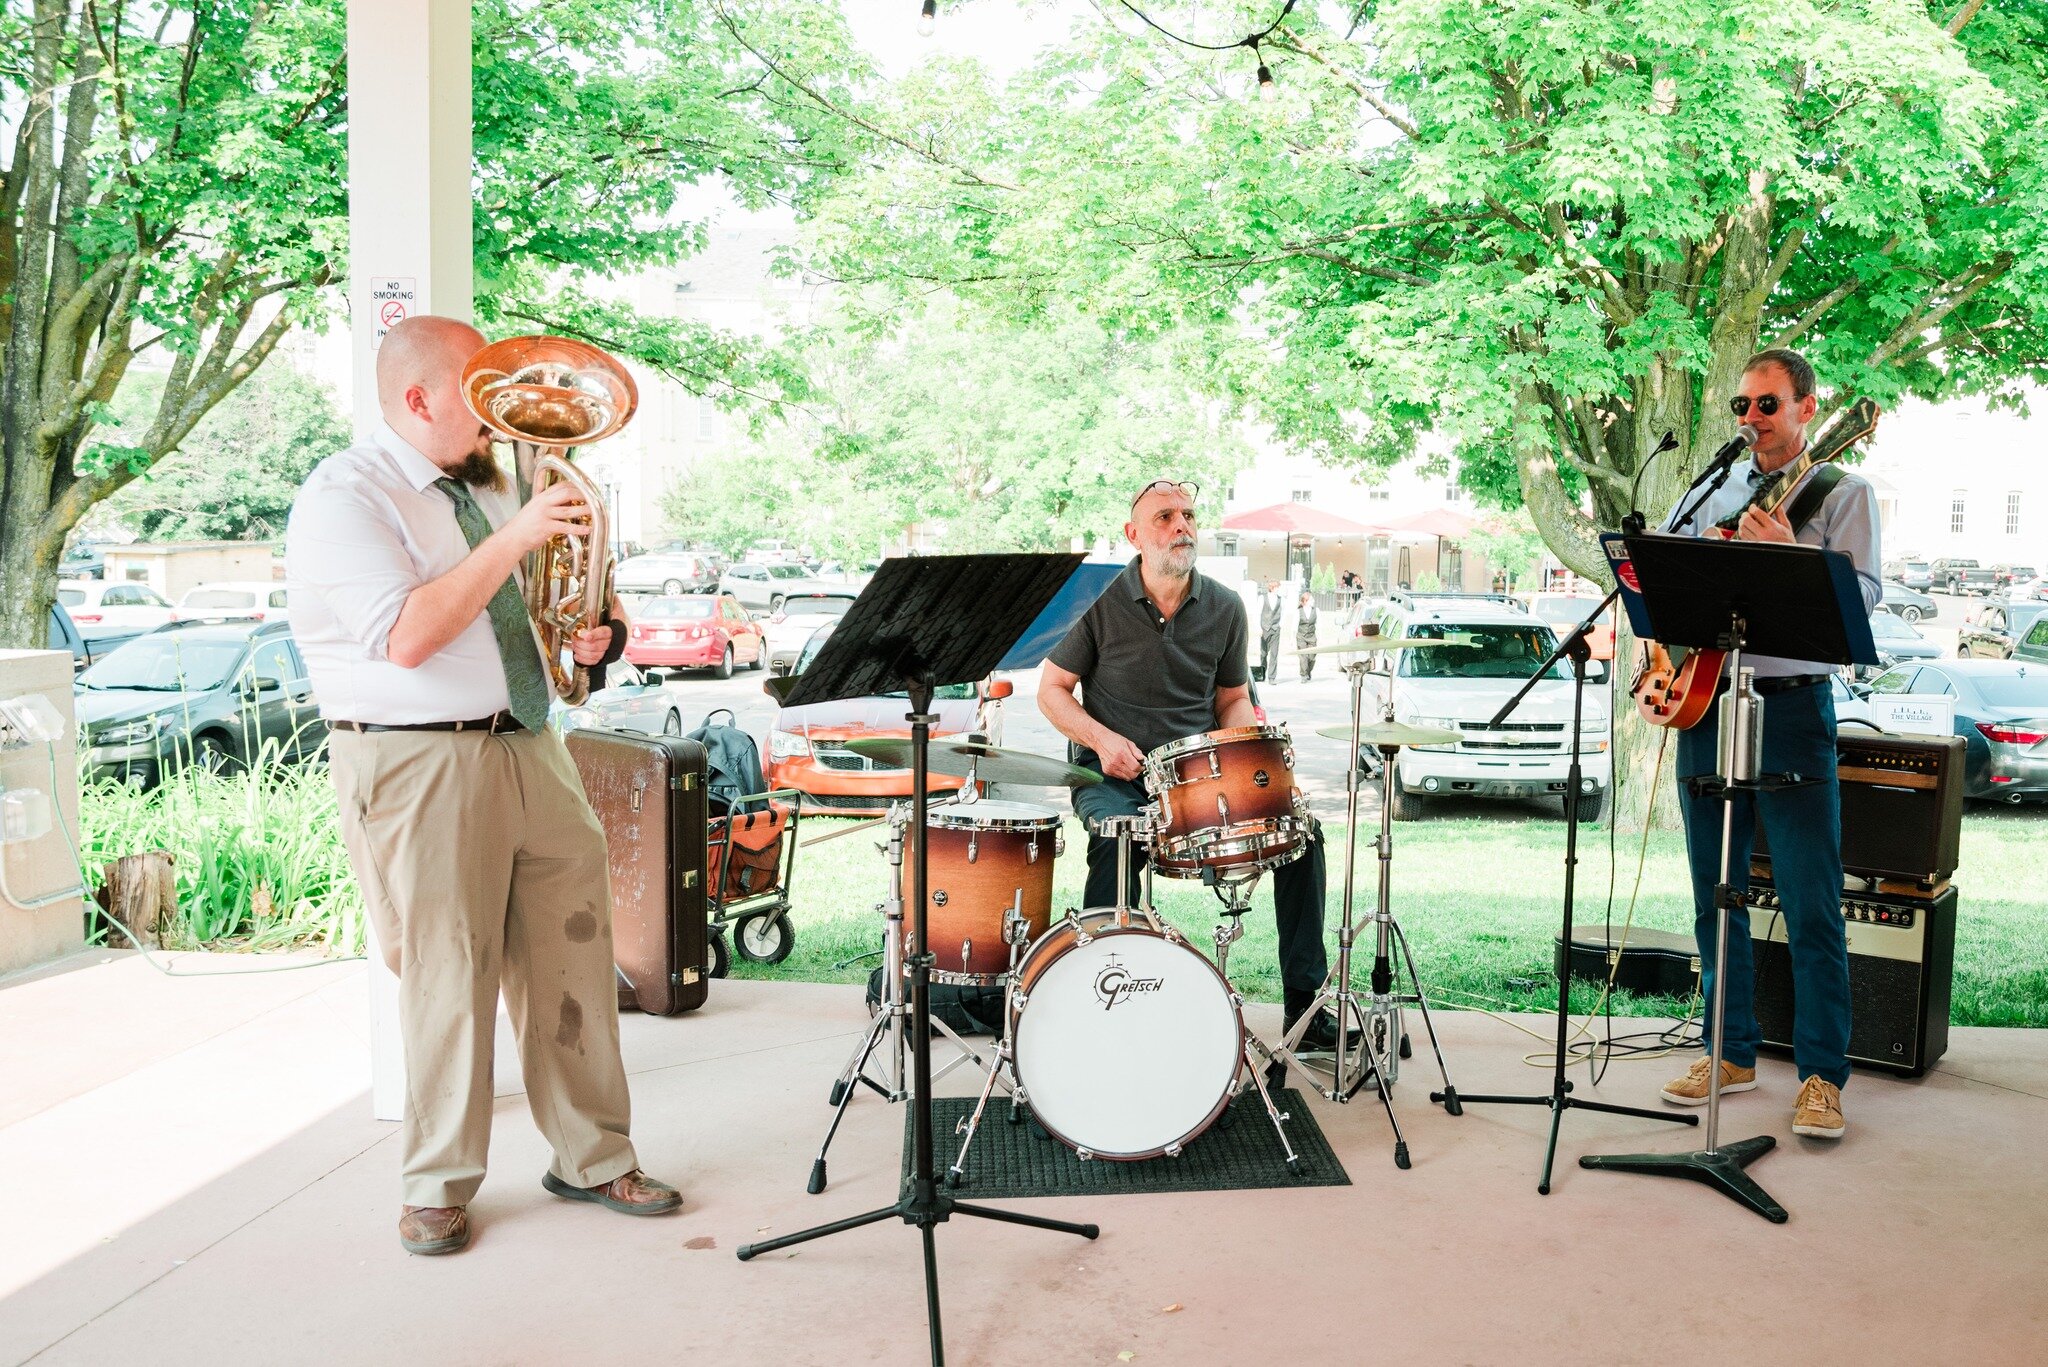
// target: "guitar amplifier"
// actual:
[[1901, 961], [1902, 806]]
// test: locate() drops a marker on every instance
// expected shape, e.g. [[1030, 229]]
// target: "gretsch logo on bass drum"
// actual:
[[1115, 984]]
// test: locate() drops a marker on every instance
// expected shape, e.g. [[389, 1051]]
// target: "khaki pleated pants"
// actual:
[[482, 866]]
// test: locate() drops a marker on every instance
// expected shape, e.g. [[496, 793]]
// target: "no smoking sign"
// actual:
[[394, 298]]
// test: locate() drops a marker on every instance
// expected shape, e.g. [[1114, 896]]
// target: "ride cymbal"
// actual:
[[1357, 644], [1385, 733]]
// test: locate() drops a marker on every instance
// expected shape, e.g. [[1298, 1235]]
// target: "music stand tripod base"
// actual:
[[1720, 1168]]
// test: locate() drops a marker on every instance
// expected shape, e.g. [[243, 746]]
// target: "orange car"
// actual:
[[807, 745], [1563, 611]]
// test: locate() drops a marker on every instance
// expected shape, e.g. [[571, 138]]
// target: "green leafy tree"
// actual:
[[1509, 544], [173, 198], [983, 437], [1545, 232], [235, 476]]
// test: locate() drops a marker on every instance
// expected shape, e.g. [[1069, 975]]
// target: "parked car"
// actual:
[[762, 587], [1914, 574], [2005, 576], [773, 553], [2023, 590], [1958, 575], [695, 631], [232, 600], [1896, 642], [629, 701], [1529, 755], [1995, 627], [85, 650], [210, 694], [85, 560], [1852, 703], [800, 615], [2001, 714], [666, 572], [1563, 611], [116, 609], [807, 745], [1908, 605], [2033, 647]]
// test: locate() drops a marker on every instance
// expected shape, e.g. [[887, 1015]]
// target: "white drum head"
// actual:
[[987, 812], [1127, 1044]]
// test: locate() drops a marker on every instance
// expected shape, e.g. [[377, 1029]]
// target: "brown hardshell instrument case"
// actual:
[[649, 794]]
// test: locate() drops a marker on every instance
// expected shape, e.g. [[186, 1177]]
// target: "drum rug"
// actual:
[[1238, 1152]]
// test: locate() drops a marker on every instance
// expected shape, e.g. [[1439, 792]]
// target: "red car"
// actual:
[[696, 631]]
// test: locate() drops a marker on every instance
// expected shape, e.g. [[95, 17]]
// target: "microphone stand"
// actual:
[[1559, 1098]]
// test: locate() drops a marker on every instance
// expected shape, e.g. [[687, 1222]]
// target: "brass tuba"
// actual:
[[544, 395]]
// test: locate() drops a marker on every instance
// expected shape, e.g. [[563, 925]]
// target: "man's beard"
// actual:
[[480, 469], [1175, 562]]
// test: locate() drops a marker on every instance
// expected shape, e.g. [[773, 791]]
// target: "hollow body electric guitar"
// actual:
[[1676, 688]]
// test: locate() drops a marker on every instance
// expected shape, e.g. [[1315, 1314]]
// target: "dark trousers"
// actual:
[[1298, 887], [1805, 829]]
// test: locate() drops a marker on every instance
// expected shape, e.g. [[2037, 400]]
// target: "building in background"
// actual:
[[1959, 479]]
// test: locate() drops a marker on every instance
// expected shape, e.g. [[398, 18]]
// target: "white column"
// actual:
[[409, 253]]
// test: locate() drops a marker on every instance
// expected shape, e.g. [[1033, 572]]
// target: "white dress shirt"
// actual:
[[368, 528]]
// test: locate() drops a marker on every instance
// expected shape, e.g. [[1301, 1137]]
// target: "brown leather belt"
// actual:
[[498, 723]]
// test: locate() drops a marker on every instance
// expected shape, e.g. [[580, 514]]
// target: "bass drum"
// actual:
[[1126, 1041]]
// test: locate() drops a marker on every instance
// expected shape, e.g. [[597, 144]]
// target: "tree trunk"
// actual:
[[141, 892]]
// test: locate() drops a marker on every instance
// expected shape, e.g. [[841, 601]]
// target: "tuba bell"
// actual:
[[545, 395]]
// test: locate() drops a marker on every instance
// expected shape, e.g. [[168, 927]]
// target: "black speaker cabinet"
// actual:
[[1902, 806], [1901, 961]]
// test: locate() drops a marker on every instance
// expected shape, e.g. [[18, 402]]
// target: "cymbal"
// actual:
[[1362, 643], [1380, 733], [986, 763]]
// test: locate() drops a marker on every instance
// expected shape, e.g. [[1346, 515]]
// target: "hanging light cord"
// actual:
[[1250, 40]]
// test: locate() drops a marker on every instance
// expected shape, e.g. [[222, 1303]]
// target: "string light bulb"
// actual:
[[927, 18], [1268, 92]]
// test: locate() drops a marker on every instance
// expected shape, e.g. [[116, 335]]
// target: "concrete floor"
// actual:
[[189, 1174]]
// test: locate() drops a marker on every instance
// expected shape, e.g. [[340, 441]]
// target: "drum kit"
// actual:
[[1120, 1038]]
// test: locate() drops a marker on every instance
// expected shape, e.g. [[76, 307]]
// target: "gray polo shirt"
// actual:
[[1149, 679], [1846, 521]]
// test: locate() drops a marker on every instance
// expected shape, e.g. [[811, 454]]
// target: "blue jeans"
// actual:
[[1805, 829], [1298, 886]]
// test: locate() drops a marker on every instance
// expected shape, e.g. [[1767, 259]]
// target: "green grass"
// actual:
[[1480, 902]]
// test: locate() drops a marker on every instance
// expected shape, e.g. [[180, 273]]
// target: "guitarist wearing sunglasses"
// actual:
[[1826, 506]]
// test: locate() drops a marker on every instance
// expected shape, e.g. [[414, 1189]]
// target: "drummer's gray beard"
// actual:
[[1175, 562]]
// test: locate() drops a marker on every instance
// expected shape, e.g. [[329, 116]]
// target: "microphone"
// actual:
[[1634, 522], [1745, 437]]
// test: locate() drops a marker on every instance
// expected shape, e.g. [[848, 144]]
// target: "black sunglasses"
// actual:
[[1767, 405], [1183, 486]]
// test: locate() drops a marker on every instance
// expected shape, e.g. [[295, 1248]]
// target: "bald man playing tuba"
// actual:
[[480, 861]]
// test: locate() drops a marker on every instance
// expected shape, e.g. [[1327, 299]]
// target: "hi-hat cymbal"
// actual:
[[986, 763], [1380, 733], [1355, 644]]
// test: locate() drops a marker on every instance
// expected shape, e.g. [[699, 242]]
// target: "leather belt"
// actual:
[[498, 723], [1787, 683]]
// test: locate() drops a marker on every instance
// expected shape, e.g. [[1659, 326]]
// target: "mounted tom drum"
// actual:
[[1226, 803]]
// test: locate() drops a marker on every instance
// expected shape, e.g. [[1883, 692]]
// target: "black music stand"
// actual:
[[1792, 602], [924, 622]]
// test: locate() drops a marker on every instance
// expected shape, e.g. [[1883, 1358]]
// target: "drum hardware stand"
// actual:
[[1017, 934], [889, 1020], [1559, 1098], [1382, 1036], [907, 628]]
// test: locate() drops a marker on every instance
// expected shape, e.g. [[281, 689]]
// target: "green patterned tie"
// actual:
[[509, 623]]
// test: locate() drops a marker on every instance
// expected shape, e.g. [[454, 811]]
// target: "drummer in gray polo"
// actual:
[[1158, 658]]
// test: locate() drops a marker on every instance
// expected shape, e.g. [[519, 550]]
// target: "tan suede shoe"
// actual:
[[633, 1194], [428, 1230], [1691, 1090], [1819, 1112]]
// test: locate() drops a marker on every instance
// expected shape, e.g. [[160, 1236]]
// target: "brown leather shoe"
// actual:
[[633, 1194], [428, 1230]]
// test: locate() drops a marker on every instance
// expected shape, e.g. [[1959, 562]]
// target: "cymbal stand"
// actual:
[[892, 1018]]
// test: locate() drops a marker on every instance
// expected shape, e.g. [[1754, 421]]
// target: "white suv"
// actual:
[[1529, 754]]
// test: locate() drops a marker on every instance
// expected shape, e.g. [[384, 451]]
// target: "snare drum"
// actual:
[[1226, 801], [1126, 1040], [986, 858]]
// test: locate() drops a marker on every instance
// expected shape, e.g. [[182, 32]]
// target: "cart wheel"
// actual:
[[717, 957], [766, 938]]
